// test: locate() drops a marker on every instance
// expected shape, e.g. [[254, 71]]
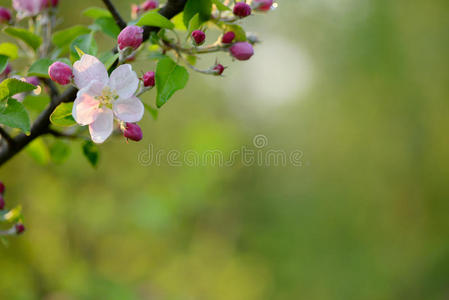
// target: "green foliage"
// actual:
[[26, 36], [38, 151], [170, 77], [36, 103], [12, 86], [201, 7], [194, 23], [153, 18], [62, 116], [60, 151], [108, 58], [108, 26], [10, 50], [91, 152], [220, 6], [86, 43], [64, 37], [3, 62], [14, 115], [40, 68], [153, 111], [96, 12]]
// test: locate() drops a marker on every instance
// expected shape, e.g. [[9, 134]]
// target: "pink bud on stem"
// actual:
[[20, 228], [242, 50], [5, 15], [60, 72], [198, 37], [132, 132], [130, 37], [228, 37], [242, 10], [149, 79]]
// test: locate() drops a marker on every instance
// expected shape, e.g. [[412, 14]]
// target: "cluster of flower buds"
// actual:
[[61, 73], [137, 10], [18, 227]]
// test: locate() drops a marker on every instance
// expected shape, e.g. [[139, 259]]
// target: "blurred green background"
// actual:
[[360, 87]]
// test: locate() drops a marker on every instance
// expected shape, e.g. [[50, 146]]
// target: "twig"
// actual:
[[115, 14]]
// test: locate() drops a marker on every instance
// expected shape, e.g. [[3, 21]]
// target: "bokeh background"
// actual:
[[360, 87]]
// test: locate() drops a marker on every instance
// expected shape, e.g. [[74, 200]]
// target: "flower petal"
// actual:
[[87, 69], [129, 110], [85, 107], [101, 129], [124, 81]]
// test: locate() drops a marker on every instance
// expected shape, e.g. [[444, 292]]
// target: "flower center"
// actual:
[[107, 97]]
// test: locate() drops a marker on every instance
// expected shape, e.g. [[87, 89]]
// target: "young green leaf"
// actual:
[[66, 36], [153, 111], [91, 152], [194, 23], [170, 77], [40, 68], [201, 7], [14, 115], [12, 86], [96, 12], [62, 116], [28, 37], [3, 63], [153, 18], [38, 150], [108, 58], [10, 50], [108, 26], [86, 43]]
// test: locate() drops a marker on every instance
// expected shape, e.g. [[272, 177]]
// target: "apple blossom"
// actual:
[[198, 37], [101, 97], [148, 79], [241, 9], [60, 73], [28, 8], [242, 50], [228, 37], [5, 15], [133, 132], [131, 36]]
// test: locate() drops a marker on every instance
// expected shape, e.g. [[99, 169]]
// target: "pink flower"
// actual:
[[60, 73], [242, 50], [5, 15], [28, 8], [131, 36], [101, 97]]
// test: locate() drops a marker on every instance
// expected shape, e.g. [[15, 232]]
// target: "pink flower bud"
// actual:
[[148, 79], [149, 5], [28, 8], [263, 5], [199, 37], [2, 188], [135, 11], [133, 132], [131, 36], [60, 72], [20, 228], [219, 69], [33, 80], [241, 9], [228, 37], [242, 50], [2, 202], [5, 15], [6, 72]]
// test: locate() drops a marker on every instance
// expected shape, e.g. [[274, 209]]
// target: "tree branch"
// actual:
[[115, 14], [42, 123], [6, 136]]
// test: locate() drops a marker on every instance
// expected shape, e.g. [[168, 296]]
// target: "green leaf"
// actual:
[[3, 63], [91, 152], [62, 116], [153, 18], [153, 111], [66, 36], [10, 50], [28, 37], [178, 20], [60, 151], [86, 43], [201, 7], [108, 26], [36, 103], [170, 77], [12, 86], [194, 23], [108, 58], [220, 6], [38, 150], [96, 12], [14, 115], [40, 68]]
